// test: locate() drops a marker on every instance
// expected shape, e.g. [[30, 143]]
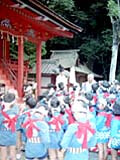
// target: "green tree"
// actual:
[[94, 42], [95, 52], [29, 51], [61, 7]]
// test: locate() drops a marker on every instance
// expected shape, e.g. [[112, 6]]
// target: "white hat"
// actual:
[[102, 101], [28, 89], [40, 110], [82, 98], [79, 106]]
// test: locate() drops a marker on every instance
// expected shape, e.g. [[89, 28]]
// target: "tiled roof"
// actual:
[[67, 58], [37, 7], [48, 66], [85, 70]]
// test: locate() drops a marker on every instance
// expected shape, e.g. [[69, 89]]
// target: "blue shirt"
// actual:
[[35, 146], [70, 140], [7, 137]]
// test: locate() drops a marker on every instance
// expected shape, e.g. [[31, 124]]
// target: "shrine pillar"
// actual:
[[7, 43], [20, 66], [38, 66], [5, 47], [1, 48]]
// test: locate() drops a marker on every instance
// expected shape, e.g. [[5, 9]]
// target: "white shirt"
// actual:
[[61, 78], [87, 87]]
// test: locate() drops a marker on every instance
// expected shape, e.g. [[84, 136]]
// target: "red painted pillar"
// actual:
[[7, 50], [1, 48], [20, 65], [38, 67]]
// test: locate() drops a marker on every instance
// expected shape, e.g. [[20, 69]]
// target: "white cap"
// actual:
[[102, 101], [82, 98], [79, 106], [40, 110]]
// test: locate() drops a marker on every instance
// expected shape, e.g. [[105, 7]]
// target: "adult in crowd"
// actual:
[[87, 86], [61, 78]]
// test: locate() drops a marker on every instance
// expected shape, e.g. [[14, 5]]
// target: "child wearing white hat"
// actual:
[[76, 139]]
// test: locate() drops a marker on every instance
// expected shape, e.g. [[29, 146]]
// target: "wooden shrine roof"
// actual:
[[33, 20]]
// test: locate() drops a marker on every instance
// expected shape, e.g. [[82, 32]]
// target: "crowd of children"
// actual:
[[62, 124]]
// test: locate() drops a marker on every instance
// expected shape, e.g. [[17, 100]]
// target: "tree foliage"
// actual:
[[29, 51], [95, 42], [114, 9], [59, 5]]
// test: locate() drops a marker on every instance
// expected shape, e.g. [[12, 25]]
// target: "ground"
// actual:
[[93, 156]]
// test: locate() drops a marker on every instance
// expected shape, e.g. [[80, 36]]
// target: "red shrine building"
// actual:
[[28, 20]]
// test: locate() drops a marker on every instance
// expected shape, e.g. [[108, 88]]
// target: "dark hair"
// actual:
[[39, 98], [95, 86], [61, 85], [113, 90], [116, 107], [105, 84], [89, 96], [61, 69], [67, 99], [54, 102], [31, 102], [9, 97]]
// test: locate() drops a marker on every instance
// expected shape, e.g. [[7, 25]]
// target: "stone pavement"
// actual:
[[94, 156]]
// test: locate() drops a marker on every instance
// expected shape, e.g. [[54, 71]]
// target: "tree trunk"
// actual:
[[113, 62], [115, 46]]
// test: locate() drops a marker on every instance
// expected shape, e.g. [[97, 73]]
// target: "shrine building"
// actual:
[[29, 20]]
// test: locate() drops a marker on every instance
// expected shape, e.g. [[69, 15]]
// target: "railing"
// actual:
[[14, 65], [10, 71], [11, 68]]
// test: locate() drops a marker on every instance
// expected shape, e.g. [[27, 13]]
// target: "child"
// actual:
[[114, 142], [8, 118], [37, 134], [57, 124], [103, 90], [29, 105], [77, 136], [67, 108], [103, 120]]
